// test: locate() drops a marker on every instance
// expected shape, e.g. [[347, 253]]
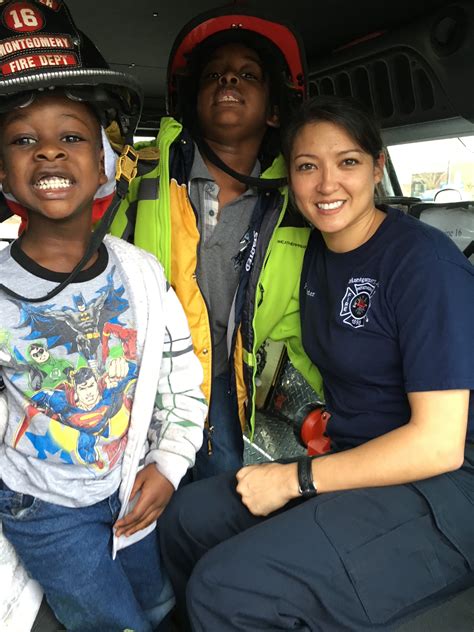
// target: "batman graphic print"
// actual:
[[70, 368]]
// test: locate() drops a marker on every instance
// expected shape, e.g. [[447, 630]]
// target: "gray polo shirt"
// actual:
[[221, 234]]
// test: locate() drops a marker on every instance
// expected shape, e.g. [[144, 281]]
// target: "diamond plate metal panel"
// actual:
[[273, 439]]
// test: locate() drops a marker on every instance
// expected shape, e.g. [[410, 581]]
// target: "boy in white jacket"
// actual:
[[102, 387]]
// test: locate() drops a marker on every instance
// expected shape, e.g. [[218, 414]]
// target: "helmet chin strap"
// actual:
[[125, 172], [264, 184]]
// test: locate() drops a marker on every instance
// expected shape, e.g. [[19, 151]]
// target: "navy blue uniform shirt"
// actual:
[[391, 317]]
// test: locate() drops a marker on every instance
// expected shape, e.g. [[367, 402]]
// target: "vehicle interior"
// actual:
[[411, 61]]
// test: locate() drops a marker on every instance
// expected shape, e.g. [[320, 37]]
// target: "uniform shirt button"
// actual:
[[205, 351]]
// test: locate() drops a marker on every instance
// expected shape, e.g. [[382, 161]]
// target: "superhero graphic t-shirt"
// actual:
[[69, 366]]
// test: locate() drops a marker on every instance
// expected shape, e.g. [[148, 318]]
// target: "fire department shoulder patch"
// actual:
[[356, 301]]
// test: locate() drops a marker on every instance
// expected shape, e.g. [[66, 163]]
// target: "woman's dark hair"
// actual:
[[281, 94], [348, 113]]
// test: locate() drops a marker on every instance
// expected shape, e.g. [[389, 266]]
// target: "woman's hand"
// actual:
[[267, 487], [155, 493]]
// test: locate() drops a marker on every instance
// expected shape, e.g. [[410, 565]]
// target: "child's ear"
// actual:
[[102, 175], [3, 178], [273, 119]]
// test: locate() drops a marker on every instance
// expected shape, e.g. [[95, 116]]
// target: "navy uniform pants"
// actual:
[[354, 560]]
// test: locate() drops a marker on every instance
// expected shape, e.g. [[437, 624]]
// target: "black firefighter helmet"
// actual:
[[40, 50]]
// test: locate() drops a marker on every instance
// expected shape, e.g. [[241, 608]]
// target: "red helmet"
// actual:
[[210, 23]]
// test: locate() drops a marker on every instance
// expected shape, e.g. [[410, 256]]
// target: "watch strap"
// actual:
[[306, 486]]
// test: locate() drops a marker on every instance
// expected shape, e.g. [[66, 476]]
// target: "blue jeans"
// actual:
[[68, 551], [226, 435]]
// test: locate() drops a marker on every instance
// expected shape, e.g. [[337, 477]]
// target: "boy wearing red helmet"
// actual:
[[216, 206]]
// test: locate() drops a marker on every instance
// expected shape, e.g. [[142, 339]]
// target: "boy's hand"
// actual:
[[267, 487], [155, 493]]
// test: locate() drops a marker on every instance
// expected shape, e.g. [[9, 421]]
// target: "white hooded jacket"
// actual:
[[168, 370]]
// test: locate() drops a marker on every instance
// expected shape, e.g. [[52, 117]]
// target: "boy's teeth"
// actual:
[[330, 205], [54, 182]]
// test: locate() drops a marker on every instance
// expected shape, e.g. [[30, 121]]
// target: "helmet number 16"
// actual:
[[22, 16]]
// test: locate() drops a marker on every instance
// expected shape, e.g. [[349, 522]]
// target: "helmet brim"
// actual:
[[94, 86]]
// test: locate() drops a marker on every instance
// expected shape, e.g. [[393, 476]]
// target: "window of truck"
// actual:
[[436, 170]]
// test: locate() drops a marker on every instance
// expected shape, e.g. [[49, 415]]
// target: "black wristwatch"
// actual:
[[306, 486]]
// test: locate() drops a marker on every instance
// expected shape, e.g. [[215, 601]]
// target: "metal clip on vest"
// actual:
[[126, 168]]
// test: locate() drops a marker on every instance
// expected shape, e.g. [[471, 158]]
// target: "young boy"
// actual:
[[118, 414], [212, 209]]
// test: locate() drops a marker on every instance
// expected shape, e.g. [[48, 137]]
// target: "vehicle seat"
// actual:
[[401, 202], [456, 614], [456, 219]]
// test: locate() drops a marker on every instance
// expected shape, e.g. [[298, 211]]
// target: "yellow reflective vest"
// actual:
[[159, 217]]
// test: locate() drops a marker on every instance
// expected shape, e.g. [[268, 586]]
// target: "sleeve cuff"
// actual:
[[172, 466]]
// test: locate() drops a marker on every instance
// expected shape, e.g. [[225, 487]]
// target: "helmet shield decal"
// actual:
[[35, 37], [40, 48]]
